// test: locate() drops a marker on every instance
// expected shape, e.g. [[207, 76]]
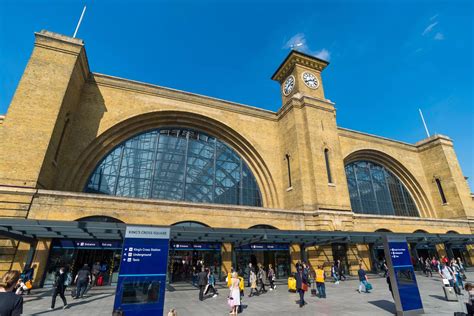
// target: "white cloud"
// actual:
[[439, 36], [434, 16], [298, 42], [323, 54], [429, 28]]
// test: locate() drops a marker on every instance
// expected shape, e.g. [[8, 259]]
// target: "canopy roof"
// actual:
[[29, 230]]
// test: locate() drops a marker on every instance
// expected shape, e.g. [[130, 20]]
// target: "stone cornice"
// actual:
[[294, 58], [150, 89], [345, 132], [299, 101], [434, 141]]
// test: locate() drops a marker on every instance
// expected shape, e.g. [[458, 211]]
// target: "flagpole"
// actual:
[[79, 23], [424, 123]]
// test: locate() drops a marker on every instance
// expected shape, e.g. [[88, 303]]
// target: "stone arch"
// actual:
[[99, 218], [400, 171], [420, 231], [190, 224], [130, 127], [452, 232], [383, 230], [262, 226]]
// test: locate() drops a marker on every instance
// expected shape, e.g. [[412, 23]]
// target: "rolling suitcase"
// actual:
[[450, 294]]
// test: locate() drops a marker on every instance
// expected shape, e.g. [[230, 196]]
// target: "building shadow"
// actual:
[[439, 297], [385, 305]]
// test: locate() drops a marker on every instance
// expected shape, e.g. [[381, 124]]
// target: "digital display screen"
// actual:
[[140, 292], [405, 276]]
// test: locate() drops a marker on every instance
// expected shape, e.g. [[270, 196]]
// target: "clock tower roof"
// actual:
[[297, 57]]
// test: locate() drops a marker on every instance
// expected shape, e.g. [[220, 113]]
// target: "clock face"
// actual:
[[288, 85], [310, 80]]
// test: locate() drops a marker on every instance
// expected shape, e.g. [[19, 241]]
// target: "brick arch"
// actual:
[[130, 127], [400, 171]]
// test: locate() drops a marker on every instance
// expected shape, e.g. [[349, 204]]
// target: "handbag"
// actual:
[[368, 286], [304, 286], [28, 285], [230, 302]]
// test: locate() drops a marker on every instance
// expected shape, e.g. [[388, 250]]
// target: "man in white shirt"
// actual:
[[447, 273]]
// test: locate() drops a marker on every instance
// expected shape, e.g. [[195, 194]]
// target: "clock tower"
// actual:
[[300, 75]]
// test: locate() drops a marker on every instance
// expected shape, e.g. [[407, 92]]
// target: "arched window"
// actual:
[[190, 224], [262, 226], [176, 164], [328, 166], [374, 189], [99, 218]]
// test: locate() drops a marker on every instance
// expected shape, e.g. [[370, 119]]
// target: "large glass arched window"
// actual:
[[176, 164], [373, 189]]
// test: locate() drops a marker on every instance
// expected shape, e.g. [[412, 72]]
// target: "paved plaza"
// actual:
[[341, 299]]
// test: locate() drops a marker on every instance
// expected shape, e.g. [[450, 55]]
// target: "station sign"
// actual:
[[87, 244], [196, 246], [142, 276], [402, 276], [264, 247]]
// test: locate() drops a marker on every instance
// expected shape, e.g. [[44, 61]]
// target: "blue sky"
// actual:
[[388, 58]]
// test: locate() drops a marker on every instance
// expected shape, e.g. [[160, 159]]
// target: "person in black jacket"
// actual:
[[202, 282], [59, 287], [301, 284]]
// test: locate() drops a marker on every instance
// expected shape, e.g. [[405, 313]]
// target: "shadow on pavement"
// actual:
[[439, 297], [385, 305], [76, 303]]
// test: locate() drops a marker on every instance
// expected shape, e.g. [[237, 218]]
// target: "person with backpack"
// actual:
[[211, 283], [59, 287], [363, 280], [446, 272], [83, 279]]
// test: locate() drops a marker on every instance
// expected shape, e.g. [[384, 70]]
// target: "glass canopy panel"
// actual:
[[373, 189], [176, 164]]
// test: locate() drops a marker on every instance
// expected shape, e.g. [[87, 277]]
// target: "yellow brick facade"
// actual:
[[64, 119]]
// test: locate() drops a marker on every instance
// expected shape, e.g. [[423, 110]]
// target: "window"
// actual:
[[441, 192], [328, 167], [373, 189], [287, 157], [176, 164]]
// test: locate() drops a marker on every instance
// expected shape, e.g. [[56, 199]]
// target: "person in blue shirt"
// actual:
[[363, 279]]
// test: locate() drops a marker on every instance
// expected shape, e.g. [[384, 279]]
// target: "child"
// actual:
[[21, 287]]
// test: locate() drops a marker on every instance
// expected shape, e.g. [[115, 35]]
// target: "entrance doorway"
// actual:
[[377, 257], [339, 252], [187, 259], [278, 255], [73, 254]]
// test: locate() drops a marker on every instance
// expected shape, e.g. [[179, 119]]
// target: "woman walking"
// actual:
[[271, 277], [301, 285], [234, 295], [253, 283], [10, 303], [261, 276]]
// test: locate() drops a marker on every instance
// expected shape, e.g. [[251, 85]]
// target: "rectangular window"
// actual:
[[441, 192], [289, 170]]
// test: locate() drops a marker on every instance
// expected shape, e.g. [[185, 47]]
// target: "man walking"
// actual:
[[59, 287], [83, 278], [202, 282]]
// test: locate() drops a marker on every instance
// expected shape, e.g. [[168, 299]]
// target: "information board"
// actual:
[[142, 276], [402, 276]]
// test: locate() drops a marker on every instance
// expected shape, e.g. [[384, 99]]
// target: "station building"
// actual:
[[79, 146]]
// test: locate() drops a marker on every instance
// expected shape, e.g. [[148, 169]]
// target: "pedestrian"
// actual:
[[253, 283], [320, 279], [261, 277], [59, 287], [461, 268], [363, 280], [202, 282], [82, 280], [234, 295], [421, 264], [334, 273], [172, 312], [384, 268], [457, 273], [248, 274], [211, 283], [28, 275], [389, 285], [340, 271], [20, 287], [95, 272], [447, 273], [470, 300], [428, 268], [271, 277], [10, 303], [301, 285]]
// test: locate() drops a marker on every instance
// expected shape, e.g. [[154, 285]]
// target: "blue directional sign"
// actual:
[[402, 276], [142, 276]]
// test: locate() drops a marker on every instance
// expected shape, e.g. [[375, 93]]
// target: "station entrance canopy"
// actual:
[[29, 230]]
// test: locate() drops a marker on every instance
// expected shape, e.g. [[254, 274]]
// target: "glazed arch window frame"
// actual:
[[177, 164], [374, 189]]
